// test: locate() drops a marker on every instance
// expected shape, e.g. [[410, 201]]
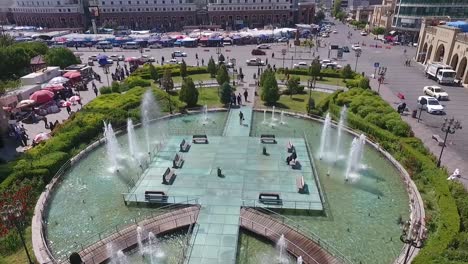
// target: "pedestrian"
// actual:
[[239, 99], [51, 126], [24, 139], [272, 54], [76, 46], [56, 123], [196, 56], [233, 99], [266, 61], [241, 117], [69, 109], [95, 90], [246, 94], [162, 60], [202, 62], [46, 125], [409, 63]]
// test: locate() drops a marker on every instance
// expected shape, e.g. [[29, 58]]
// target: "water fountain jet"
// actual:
[[281, 246], [340, 129], [324, 139], [354, 158], [112, 146]]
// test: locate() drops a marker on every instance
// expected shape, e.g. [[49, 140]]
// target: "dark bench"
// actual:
[[290, 147], [300, 184], [200, 139], [156, 196], [270, 198], [178, 161], [439, 140], [184, 146], [169, 176], [267, 139]]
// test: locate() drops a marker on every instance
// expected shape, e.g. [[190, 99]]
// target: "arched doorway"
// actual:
[[454, 62], [461, 70], [440, 52], [422, 54], [428, 55]]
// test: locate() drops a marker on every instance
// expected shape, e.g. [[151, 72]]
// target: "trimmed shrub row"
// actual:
[[144, 71]]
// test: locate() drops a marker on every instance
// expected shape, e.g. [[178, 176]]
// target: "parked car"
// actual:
[[146, 58], [431, 105], [179, 53], [325, 61], [257, 52], [263, 46], [93, 57], [345, 49], [363, 33], [355, 47], [331, 65], [229, 65], [301, 65], [114, 57], [335, 32], [155, 46], [283, 39], [436, 91], [174, 61], [121, 58], [255, 62]]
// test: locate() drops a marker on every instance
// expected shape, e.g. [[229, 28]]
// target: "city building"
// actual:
[[447, 44], [6, 17], [382, 15]]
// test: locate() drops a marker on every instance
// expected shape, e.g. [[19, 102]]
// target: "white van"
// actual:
[[104, 45], [440, 72], [130, 45]]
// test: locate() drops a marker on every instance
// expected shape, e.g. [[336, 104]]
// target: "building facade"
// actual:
[[445, 44], [382, 15], [408, 14]]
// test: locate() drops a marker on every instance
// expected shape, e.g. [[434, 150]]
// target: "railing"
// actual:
[[305, 231], [140, 198], [285, 204], [86, 242], [188, 250], [267, 232]]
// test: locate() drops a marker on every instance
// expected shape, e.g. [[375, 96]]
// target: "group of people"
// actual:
[[19, 132], [237, 100], [120, 73], [408, 63]]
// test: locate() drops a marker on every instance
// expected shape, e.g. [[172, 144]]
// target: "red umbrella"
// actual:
[[42, 96], [130, 59], [65, 103], [72, 74]]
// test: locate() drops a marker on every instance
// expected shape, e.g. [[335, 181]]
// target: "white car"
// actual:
[[436, 91], [263, 46], [363, 33], [301, 65], [325, 61], [146, 58], [114, 57], [331, 65], [93, 57], [155, 46], [255, 62], [355, 47], [174, 61], [335, 32], [121, 58], [283, 39], [179, 53], [431, 105]]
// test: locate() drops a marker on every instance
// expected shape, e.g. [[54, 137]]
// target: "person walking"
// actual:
[[95, 90], [46, 125], [241, 117], [239, 99], [202, 62], [196, 56], [69, 109], [246, 94]]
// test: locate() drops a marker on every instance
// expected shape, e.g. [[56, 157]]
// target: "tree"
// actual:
[[166, 82], [188, 92], [319, 16], [270, 90], [34, 48], [226, 92], [222, 76], [183, 69], [336, 8], [310, 105], [347, 72], [341, 15], [153, 73], [6, 40], [212, 67], [314, 70], [14, 61], [293, 85], [221, 58], [61, 57], [378, 31]]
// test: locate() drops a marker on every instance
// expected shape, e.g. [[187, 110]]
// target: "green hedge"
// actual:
[[325, 73], [442, 213], [144, 73]]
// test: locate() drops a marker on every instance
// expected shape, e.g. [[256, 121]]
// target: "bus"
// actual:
[[104, 45], [130, 45]]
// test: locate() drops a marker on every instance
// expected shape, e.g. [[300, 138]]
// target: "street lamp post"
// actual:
[[382, 72], [106, 72], [414, 235], [233, 61], [357, 54], [13, 216], [449, 126]]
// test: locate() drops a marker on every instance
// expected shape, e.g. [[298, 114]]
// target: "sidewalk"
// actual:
[[450, 158]]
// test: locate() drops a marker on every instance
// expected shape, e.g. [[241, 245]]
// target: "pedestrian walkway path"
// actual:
[[234, 127]]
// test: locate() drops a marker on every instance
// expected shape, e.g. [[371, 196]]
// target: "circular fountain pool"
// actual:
[[361, 218]]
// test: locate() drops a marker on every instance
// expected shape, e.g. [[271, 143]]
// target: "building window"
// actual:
[[112, 2], [129, 2], [180, 1], [103, 3], [69, 11]]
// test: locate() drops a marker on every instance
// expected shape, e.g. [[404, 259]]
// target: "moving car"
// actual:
[[436, 91], [331, 65], [93, 57], [345, 49], [114, 57], [355, 47], [263, 46], [174, 61], [155, 46], [363, 33], [104, 45], [146, 58], [283, 39], [431, 105], [258, 52], [325, 61], [179, 53], [335, 32], [255, 62], [121, 58], [301, 65]]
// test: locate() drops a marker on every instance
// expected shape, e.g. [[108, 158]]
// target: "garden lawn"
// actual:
[[19, 257], [195, 78], [207, 96], [298, 102], [305, 78]]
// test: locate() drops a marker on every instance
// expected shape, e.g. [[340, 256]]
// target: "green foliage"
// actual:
[[340, 15], [6, 40], [166, 82], [319, 16], [34, 48], [314, 70], [226, 92], [183, 69], [14, 62], [153, 72], [222, 76], [293, 85], [358, 82], [358, 24], [9, 85], [347, 72], [105, 90], [310, 105], [212, 67], [61, 57], [134, 81], [116, 87], [378, 31], [270, 91], [189, 93], [336, 8]]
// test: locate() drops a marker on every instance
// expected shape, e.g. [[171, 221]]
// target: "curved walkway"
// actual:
[[127, 237], [297, 243]]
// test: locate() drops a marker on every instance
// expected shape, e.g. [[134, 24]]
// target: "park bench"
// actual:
[[290, 147], [184, 146], [169, 176], [200, 139], [267, 139], [270, 198], [300, 184], [295, 164], [178, 161], [156, 196], [439, 140]]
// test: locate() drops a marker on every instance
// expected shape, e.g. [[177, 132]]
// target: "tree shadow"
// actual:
[[298, 99]]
